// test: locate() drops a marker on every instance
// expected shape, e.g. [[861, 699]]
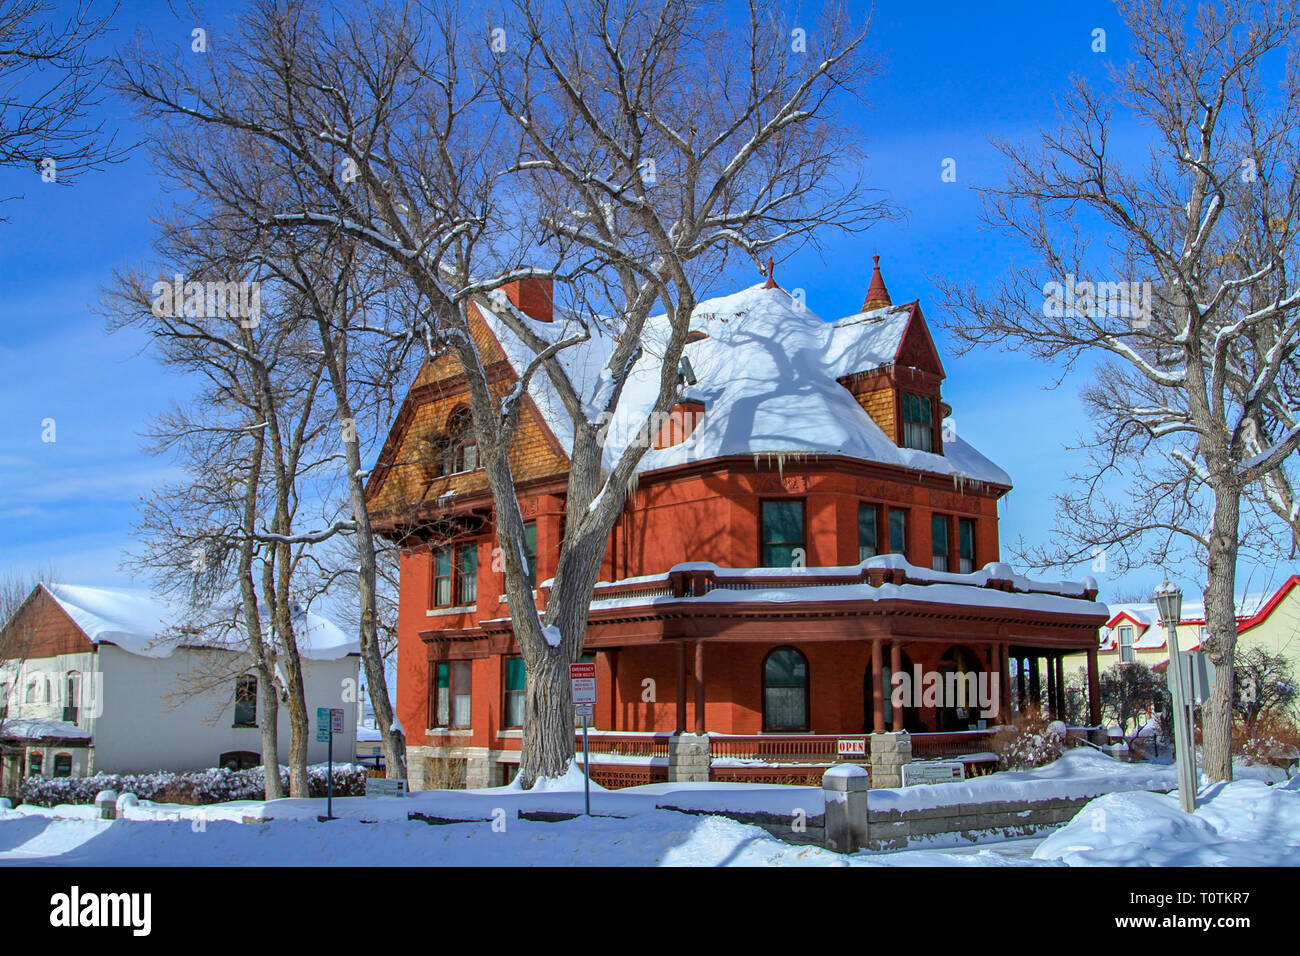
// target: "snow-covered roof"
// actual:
[[142, 623], [804, 586], [767, 373], [41, 728], [1151, 635]]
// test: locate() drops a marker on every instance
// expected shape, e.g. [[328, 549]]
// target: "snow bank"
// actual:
[[1244, 823]]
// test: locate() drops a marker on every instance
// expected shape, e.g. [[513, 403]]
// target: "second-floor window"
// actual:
[[246, 701], [4, 701], [782, 533], [451, 695], [466, 573], [966, 544], [530, 552], [1126, 645], [440, 595], [73, 698], [939, 542], [918, 422], [867, 538], [897, 532], [454, 575]]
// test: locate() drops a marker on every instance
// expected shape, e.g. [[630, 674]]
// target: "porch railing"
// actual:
[[787, 748]]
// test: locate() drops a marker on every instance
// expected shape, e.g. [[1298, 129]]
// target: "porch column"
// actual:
[[699, 688], [681, 687], [895, 666], [1020, 683], [877, 695], [1035, 690], [610, 714], [1004, 683], [1094, 690], [1060, 686], [1051, 688]]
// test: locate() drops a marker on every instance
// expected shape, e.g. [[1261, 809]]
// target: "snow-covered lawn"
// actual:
[[1245, 822]]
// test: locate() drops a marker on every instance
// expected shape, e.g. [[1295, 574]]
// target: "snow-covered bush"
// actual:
[[1029, 742], [217, 785]]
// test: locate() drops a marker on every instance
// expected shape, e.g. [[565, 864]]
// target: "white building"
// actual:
[[97, 679]]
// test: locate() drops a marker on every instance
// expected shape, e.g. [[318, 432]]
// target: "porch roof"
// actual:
[[883, 597]]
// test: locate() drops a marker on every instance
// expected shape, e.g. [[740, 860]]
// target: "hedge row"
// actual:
[[198, 787]]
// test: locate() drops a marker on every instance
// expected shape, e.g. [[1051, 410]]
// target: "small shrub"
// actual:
[[199, 787], [1030, 741], [1276, 741]]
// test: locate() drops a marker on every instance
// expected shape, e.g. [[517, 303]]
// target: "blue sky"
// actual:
[[954, 75]]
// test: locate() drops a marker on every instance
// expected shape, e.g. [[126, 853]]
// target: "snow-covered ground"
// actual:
[[1246, 822]]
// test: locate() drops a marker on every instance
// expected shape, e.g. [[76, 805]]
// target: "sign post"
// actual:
[[582, 678], [329, 720], [1169, 601]]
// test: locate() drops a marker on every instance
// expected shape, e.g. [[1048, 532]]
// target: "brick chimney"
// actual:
[[535, 298], [681, 421]]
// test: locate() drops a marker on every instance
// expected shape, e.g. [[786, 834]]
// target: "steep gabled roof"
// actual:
[[767, 372], [141, 623]]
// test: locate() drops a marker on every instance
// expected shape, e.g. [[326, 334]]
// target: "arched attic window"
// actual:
[[462, 445]]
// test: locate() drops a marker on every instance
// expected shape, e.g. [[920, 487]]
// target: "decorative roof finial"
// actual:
[[771, 278], [877, 294]]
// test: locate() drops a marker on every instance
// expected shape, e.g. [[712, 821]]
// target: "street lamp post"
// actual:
[[1169, 602]]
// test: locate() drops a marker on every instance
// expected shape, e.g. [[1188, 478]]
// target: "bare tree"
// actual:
[[1265, 686], [469, 166], [50, 83], [1195, 313]]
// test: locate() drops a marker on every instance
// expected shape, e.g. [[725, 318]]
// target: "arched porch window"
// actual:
[[785, 691]]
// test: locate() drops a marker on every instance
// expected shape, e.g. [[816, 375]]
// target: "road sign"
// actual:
[[585, 710], [328, 719], [851, 746], [583, 679], [932, 772], [383, 787], [1203, 675]]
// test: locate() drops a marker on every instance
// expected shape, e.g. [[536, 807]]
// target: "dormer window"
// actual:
[[918, 422], [462, 446]]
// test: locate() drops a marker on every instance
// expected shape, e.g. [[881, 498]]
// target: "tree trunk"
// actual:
[[372, 658], [1220, 618], [268, 697], [547, 745]]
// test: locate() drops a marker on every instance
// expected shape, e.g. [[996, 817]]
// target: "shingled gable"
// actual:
[[439, 388]]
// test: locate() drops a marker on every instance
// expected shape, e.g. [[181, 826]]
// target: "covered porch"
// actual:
[[775, 669]]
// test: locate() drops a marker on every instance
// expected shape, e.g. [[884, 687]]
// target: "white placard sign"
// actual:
[[932, 772]]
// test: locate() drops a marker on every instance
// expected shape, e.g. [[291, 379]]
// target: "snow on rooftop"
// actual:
[[41, 728], [142, 623], [767, 372]]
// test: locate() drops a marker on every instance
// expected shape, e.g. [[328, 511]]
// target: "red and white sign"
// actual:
[[583, 678], [851, 746]]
